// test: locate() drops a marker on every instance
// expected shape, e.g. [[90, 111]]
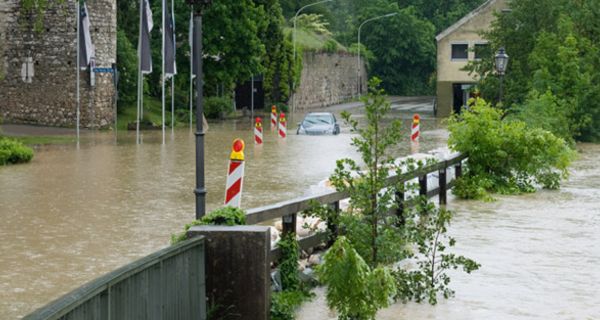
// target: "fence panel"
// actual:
[[168, 284]]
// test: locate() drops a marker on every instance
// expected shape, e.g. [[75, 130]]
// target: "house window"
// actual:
[[481, 50], [460, 51]]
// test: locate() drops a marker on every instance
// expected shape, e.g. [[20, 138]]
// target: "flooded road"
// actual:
[[540, 256], [73, 214]]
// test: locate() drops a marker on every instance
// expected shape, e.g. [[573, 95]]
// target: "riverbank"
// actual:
[[537, 254]]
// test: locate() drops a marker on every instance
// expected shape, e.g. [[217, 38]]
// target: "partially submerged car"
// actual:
[[318, 123]]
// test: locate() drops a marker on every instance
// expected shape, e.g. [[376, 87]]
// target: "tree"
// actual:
[[553, 50]]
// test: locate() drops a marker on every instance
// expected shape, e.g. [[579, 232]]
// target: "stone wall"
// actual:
[[50, 99], [328, 79]]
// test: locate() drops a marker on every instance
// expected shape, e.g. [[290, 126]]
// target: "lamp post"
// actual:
[[501, 59], [294, 41], [358, 57], [200, 190]]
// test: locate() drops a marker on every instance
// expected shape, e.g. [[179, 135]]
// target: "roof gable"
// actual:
[[464, 20]]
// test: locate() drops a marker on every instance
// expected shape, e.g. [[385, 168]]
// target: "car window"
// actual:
[[318, 119]]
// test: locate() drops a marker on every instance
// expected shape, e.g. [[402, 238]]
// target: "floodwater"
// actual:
[[73, 214], [540, 256]]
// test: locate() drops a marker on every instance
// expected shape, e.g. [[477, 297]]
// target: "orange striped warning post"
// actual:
[[273, 117], [416, 128], [282, 126], [235, 175], [258, 131]]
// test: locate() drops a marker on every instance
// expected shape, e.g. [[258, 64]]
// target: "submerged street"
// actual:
[[72, 214]]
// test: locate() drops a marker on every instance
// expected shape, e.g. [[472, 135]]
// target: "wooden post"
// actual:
[[238, 270], [423, 185], [332, 226], [443, 186], [289, 224], [400, 210], [458, 170]]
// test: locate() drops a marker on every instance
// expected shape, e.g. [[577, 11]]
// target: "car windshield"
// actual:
[[313, 119]]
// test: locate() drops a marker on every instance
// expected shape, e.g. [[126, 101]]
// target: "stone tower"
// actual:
[[49, 53]]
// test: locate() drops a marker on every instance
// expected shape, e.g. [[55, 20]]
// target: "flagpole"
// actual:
[[139, 95], [163, 70], [78, 66], [191, 36], [173, 76]]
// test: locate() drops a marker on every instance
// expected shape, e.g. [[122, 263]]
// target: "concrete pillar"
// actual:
[[238, 270]]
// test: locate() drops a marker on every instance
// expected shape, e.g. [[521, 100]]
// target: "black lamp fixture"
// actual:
[[501, 61], [200, 191], [501, 64]]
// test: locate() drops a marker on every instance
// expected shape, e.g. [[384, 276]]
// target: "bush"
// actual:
[[506, 156], [12, 152], [228, 216], [353, 289], [285, 303], [217, 107], [330, 46]]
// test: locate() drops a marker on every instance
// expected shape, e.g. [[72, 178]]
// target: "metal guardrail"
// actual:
[[168, 284], [288, 210]]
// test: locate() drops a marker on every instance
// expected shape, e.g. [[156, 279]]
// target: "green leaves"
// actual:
[[13, 152], [353, 289], [505, 156]]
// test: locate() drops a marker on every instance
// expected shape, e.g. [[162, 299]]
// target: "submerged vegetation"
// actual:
[[505, 156], [13, 151], [360, 270]]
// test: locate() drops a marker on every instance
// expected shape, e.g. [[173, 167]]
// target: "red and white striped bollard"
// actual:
[[235, 175], [258, 131], [273, 117], [282, 126], [416, 128]]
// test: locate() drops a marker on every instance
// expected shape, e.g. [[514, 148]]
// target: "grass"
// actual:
[[44, 140], [311, 41], [152, 113]]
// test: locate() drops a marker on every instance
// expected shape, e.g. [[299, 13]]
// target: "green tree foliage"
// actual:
[[553, 49], [505, 156], [426, 226], [354, 289], [280, 69], [13, 152], [127, 67], [226, 216], [373, 142]]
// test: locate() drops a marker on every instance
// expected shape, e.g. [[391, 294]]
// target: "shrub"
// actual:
[[12, 152], [353, 289], [505, 156], [228, 216], [330, 46], [217, 107]]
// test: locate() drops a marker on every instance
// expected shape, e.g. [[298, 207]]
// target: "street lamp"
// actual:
[[198, 6], [294, 41], [358, 58], [501, 64]]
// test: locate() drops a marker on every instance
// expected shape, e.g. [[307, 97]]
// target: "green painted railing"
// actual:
[[168, 284]]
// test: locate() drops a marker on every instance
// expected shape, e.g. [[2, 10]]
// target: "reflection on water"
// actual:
[[539, 256], [74, 214]]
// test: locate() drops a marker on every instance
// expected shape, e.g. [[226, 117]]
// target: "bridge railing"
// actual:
[[168, 284], [287, 211]]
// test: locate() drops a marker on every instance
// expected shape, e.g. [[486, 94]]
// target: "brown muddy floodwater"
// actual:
[[73, 214], [540, 256]]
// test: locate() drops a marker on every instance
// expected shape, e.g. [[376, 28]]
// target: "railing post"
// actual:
[[332, 226], [289, 224], [400, 210], [442, 184], [458, 170], [423, 185]]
